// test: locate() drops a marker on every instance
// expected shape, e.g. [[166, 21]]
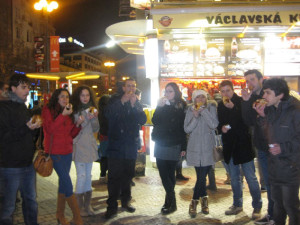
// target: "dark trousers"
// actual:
[[120, 174], [286, 202], [166, 170], [103, 166], [200, 186]]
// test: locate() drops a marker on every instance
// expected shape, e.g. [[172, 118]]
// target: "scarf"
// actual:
[[82, 107], [12, 96]]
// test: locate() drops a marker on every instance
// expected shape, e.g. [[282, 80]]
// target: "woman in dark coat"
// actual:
[[170, 140]]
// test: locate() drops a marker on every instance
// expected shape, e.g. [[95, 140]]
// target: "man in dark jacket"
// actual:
[[238, 150], [125, 116], [254, 92], [16, 152], [280, 118]]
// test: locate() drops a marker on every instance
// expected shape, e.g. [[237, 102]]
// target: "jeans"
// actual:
[[236, 184], [120, 174], [262, 157], [286, 202], [200, 186], [62, 166], [166, 170], [23, 179], [84, 177]]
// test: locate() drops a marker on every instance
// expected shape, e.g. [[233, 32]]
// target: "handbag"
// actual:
[[43, 163], [218, 149]]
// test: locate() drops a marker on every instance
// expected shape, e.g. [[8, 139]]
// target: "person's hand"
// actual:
[[196, 113], [182, 154], [275, 149], [246, 94], [225, 129], [79, 121], [67, 110], [260, 109], [92, 115], [133, 99], [35, 125], [162, 101], [125, 98], [229, 105]]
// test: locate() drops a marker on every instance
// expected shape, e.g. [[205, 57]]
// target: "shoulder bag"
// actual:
[[218, 149]]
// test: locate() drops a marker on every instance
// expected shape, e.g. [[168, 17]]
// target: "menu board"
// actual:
[[245, 54], [282, 56]]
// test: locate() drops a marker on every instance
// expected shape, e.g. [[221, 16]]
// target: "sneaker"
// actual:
[[265, 221], [233, 210], [256, 214]]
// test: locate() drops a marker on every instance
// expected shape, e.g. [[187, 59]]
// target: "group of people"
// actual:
[[69, 123]]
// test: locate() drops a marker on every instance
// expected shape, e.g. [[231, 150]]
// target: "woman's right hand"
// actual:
[[67, 110], [162, 101]]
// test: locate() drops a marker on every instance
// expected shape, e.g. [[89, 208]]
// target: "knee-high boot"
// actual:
[[60, 209], [72, 202]]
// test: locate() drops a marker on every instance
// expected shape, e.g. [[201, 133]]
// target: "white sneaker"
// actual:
[[265, 221], [233, 210]]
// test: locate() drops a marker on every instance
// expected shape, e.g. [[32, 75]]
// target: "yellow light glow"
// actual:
[[130, 43], [74, 82], [139, 49], [109, 64], [43, 77], [54, 4], [75, 75], [38, 6], [129, 36], [110, 89], [43, 4], [125, 78], [94, 86], [88, 77], [289, 30]]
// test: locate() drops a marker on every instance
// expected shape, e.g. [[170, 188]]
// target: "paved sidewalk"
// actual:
[[148, 198]]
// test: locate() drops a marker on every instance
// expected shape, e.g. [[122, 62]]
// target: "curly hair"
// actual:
[[76, 97], [179, 102], [53, 104]]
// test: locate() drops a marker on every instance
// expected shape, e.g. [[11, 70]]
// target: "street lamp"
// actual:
[[109, 64]]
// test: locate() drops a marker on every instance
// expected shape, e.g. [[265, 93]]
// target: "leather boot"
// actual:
[[60, 211], [87, 204], [72, 202], [165, 204], [171, 206], [204, 204], [212, 180], [193, 208], [80, 200], [179, 175]]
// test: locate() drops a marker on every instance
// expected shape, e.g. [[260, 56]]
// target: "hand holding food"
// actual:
[[246, 94], [67, 110], [198, 105], [34, 123], [225, 100], [259, 105], [36, 119], [260, 102]]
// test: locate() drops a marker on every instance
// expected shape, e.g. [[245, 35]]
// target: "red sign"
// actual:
[[54, 54]]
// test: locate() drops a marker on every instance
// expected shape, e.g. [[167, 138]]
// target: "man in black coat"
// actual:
[[16, 152], [238, 150], [280, 118], [125, 116]]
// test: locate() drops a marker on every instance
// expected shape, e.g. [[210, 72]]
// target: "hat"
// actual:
[[197, 93]]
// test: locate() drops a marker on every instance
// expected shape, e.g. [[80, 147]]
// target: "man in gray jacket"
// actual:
[[280, 118]]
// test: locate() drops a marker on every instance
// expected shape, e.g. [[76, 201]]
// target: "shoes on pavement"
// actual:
[[128, 207], [110, 214], [256, 214], [233, 210], [211, 188], [181, 177], [263, 189], [266, 220]]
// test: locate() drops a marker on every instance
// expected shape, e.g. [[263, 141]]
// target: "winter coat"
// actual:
[[282, 126], [237, 141], [16, 139], [250, 118], [85, 149], [168, 126], [201, 132], [61, 129], [124, 122]]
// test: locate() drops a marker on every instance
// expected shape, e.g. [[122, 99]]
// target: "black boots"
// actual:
[[179, 175], [211, 180], [170, 204]]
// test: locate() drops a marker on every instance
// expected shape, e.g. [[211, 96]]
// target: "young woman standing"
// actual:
[[170, 140], [200, 123], [85, 146], [59, 131]]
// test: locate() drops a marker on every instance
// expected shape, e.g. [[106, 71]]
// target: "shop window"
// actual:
[[77, 57]]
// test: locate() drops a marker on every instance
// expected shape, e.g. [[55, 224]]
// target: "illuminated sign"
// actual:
[[71, 40], [78, 43], [62, 40]]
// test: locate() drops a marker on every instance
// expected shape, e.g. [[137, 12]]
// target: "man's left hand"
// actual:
[[275, 150]]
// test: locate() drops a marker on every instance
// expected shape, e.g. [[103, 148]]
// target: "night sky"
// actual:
[[86, 20]]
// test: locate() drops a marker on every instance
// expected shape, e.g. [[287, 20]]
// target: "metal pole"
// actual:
[[47, 49]]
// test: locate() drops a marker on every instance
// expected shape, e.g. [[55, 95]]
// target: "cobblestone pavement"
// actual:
[[147, 197]]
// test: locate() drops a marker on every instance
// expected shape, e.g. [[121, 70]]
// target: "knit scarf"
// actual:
[[15, 98], [82, 106]]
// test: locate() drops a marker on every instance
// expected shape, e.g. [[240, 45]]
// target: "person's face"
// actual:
[[269, 95], [170, 93], [253, 82], [200, 98], [85, 96], [63, 99], [22, 91], [226, 91], [129, 87]]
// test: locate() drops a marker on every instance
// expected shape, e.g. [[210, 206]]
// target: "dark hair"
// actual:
[[76, 97], [226, 83], [179, 102], [53, 104], [103, 101], [129, 79], [17, 79], [256, 72], [279, 86]]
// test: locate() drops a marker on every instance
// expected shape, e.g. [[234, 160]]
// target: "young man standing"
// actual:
[[16, 152], [280, 119], [254, 80], [125, 116], [238, 151]]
